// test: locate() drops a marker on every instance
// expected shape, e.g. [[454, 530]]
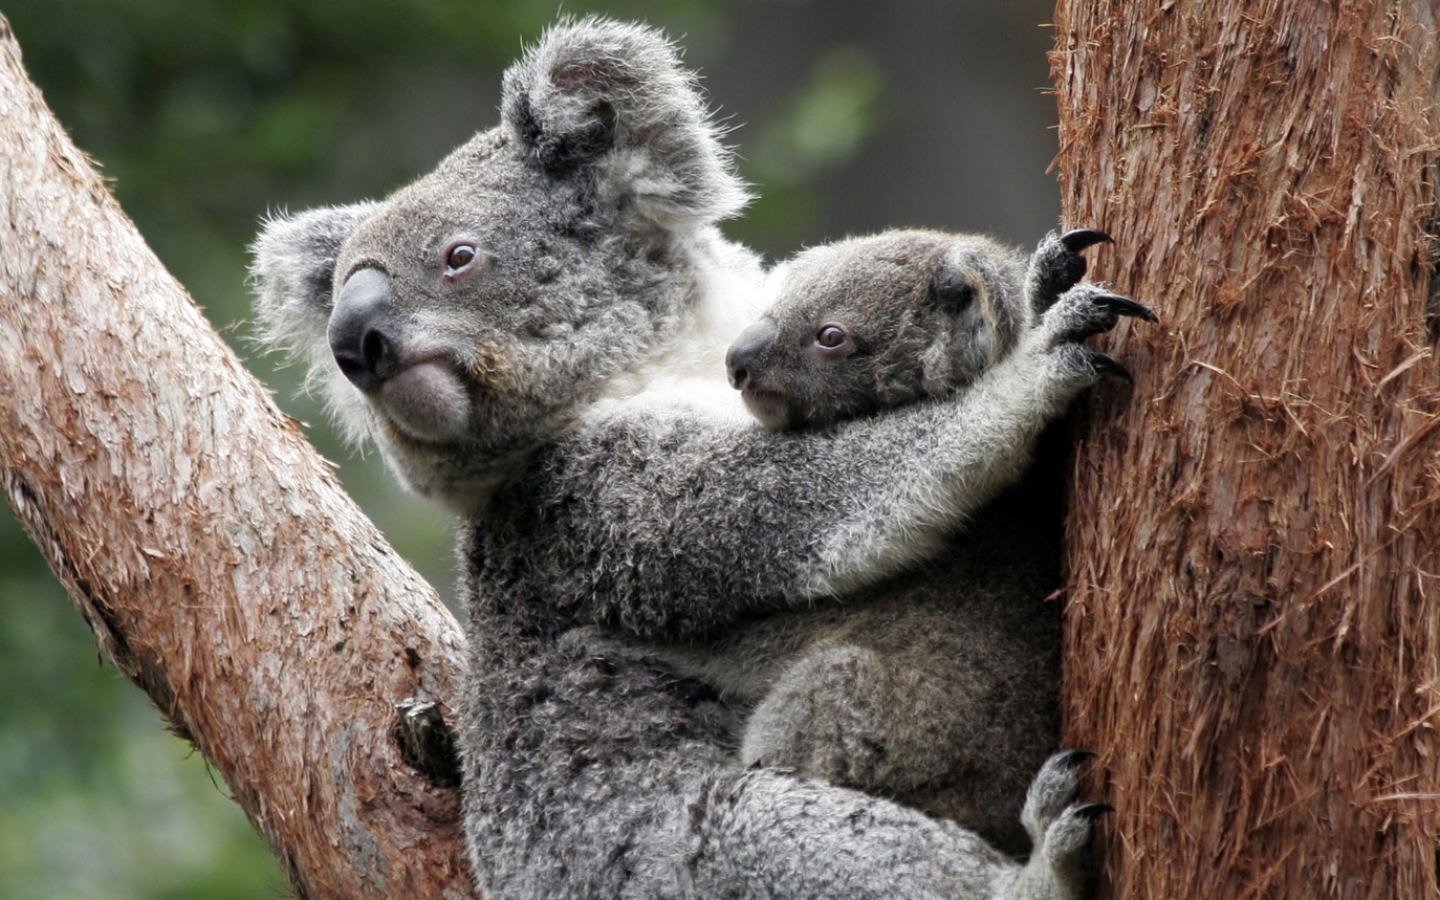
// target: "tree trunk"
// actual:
[[1251, 621], [210, 548]]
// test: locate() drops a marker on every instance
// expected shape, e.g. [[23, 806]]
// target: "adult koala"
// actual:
[[501, 329]]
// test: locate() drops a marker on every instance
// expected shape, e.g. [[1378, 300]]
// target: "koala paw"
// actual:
[[1057, 265], [1059, 866], [1082, 311], [1053, 789], [1068, 837]]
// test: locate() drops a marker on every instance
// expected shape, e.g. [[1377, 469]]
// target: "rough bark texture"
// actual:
[[211, 549], [1252, 630]]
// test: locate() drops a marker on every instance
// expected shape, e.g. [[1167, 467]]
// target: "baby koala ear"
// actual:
[[293, 270], [608, 104], [970, 324], [953, 287]]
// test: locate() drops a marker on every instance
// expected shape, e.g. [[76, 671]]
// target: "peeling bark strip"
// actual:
[[1252, 629], [215, 556]]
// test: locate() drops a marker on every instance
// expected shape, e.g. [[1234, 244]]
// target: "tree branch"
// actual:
[[211, 549]]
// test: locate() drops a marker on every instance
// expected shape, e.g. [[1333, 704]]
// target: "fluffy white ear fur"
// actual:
[[293, 270], [613, 97]]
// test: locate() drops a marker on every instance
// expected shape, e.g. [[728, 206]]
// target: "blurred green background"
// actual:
[[849, 117]]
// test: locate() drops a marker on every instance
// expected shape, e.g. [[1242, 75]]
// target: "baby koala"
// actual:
[[940, 688], [874, 322]]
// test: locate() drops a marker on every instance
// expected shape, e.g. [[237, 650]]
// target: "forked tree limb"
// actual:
[[211, 549], [1253, 618]]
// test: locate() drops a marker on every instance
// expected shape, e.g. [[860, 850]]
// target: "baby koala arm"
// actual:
[[673, 528], [938, 477]]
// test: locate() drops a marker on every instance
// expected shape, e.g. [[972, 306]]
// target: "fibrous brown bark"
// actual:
[[211, 549], [1251, 626]]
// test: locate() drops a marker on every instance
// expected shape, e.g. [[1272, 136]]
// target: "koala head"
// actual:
[[467, 317], [875, 322]]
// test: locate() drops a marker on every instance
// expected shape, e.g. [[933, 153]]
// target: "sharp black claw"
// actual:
[[1080, 238], [1107, 365], [1124, 306], [1093, 811], [1074, 759]]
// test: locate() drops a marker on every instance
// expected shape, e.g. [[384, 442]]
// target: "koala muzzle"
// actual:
[[744, 356], [363, 330]]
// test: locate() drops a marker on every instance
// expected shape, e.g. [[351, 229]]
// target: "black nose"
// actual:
[[363, 331], [745, 353]]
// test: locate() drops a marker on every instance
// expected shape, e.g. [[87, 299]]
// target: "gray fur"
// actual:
[[939, 689], [562, 388], [593, 202], [925, 313]]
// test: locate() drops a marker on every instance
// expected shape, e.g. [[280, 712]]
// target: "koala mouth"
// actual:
[[426, 401], [768, 406]]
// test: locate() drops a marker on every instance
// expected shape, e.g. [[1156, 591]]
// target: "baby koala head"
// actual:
[[875, 322]]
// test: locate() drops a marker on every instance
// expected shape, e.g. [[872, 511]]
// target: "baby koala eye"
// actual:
[[832, 338], [460, 257]]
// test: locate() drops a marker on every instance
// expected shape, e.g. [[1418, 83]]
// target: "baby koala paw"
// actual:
[[1084, 310], [1057, 265]]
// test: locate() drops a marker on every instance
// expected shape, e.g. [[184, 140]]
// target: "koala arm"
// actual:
[[637, 522]]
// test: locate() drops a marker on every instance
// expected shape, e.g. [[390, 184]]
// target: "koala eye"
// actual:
[[460, 257], [832, 338]]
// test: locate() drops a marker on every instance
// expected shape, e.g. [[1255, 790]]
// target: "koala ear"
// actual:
[[610, 103], [293, 269], [953, 288], [970, 325]]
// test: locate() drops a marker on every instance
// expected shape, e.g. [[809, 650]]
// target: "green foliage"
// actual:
[[821, 126], [205, 115]]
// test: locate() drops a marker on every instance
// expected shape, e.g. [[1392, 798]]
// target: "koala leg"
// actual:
[[940, 728], [847, 716], [605, 778], [831, 716], [763, 833], [1057, 265], [1059, 866], [737, 817]]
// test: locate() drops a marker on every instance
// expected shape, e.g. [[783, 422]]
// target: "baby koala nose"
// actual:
[[747, 350], [361, 330]]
